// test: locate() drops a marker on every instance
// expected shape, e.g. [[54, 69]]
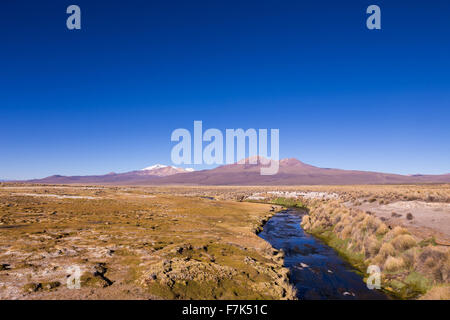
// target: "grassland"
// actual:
[[200, 242], [134, 243], [409, 267]]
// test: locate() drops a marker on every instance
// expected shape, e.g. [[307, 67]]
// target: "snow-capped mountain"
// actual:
[[153, 172], [159, 166], [291, 172], [156, 166]]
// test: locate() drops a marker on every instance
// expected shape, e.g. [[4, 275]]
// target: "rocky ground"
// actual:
[[176, 242], [131, 243]]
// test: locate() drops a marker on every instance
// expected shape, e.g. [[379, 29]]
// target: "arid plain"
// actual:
[[201, 242]]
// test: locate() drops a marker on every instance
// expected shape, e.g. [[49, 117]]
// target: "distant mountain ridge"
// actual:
[[136, 176], [291, 172]]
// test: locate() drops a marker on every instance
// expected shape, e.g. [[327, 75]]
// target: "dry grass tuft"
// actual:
[[382, 230], [393, 264], [372, 246], [441, 292], [399, 231], [403, 242], [387, 249], [366, 240]]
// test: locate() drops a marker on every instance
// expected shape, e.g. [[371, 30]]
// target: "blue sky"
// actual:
[[107, 97]]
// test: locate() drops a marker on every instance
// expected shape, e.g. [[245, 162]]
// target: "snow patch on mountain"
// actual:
[[156, 166], [161, 166]]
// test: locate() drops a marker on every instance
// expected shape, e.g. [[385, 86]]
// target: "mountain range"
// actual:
[[291, 172]]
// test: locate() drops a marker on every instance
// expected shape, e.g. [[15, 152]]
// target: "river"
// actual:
[[316, 270]]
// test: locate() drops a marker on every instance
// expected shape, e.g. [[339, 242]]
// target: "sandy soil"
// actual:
[[53, 196], [428, 218]]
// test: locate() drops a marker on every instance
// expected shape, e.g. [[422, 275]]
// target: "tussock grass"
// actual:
[[403, 242], [413, 266], [382, 230], [441, 292], [387, 249], [393, 264]]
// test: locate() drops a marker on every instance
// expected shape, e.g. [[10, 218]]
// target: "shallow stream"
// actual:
[[317, 271]]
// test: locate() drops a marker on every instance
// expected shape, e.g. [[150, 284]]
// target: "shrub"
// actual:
[[371, 246], [410, 256], [387, 249], [393, 264], [364, 239], [370, 224], [417, 282], [399, 230], [403, 242], [306, 222], [395, 232], [434, 262], [346, 232], [382, 230]]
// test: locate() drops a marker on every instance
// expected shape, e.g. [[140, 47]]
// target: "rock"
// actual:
[[249, 260], [304, 265], [51, 285], [33, 287], [210, 257], [179, 250], [4, 266], [99, 271], [100, 268], [409, 216]]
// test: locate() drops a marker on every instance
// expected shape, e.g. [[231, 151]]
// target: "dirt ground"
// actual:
[[174, 242], [132, 243], [427, 219]]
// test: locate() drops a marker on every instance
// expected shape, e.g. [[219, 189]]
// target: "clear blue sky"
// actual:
[[106, 98]]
